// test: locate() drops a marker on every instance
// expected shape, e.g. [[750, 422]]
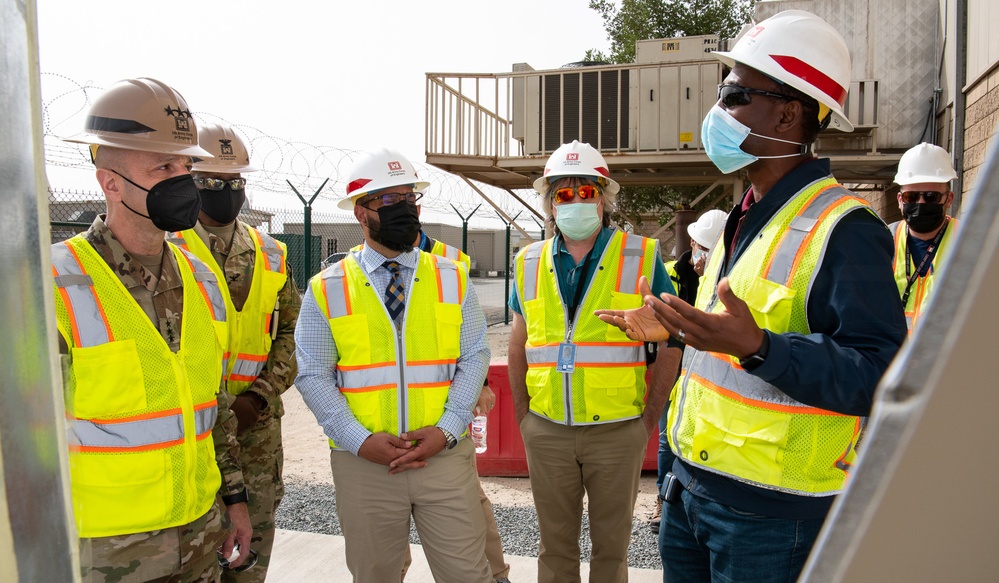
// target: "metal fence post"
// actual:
[[307, 226], [506, 305], [464, 227]]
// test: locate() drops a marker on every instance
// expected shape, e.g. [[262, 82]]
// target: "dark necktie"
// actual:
[[395, 293]]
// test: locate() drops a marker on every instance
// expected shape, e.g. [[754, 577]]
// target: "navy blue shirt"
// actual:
[[857, 325]]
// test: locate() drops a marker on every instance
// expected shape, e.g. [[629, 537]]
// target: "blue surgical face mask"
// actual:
[[578, 220], [698, 254], [723, 135]]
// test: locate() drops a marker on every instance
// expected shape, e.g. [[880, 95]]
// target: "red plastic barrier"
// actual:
[[505, 455]]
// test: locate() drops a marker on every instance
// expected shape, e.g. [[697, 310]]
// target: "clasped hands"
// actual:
[[409, 451], [731, 331]]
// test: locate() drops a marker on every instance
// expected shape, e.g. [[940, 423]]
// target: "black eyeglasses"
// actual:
[[733, 95], [216, 184], [391, 198], [928, 196]]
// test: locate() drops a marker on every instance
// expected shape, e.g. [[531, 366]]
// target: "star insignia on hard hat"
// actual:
[[178, 112]]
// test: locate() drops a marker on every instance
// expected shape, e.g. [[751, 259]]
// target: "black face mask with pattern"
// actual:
[[397, 227], [173, 204], [223, 206]]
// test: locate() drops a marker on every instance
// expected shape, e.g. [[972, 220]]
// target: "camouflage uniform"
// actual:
[[154, 554], [261, 454]]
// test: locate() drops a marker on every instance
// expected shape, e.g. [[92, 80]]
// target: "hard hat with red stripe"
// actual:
[[376, 170], [576, 159], [802, 50]]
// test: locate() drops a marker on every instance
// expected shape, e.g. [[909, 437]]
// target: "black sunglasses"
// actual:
[[929, 196], [733, 95]]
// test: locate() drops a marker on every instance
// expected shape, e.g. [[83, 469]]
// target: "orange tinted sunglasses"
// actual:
[[585, 191]]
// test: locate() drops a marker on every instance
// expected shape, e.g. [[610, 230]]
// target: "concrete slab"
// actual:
[[306, 556]]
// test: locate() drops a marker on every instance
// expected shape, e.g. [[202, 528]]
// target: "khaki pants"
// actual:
[[374, 509], [262, 459], [180, 554], [494, 546], [605, 463]]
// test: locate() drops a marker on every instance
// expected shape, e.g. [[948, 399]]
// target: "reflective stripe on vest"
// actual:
[[452, 253], [151, 432], [607, 363], [89, 322], [730, 422], [377, 383]]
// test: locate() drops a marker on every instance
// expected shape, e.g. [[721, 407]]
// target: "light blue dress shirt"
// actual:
[[317, 358]]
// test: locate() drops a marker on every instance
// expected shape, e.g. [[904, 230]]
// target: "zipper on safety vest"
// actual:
[[567, 377], [401, 362]]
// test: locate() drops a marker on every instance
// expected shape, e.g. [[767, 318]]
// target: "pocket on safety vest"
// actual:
[[534, 315], [740, 439], [621, 301], [448, 320], [610, 393], [120, 493], [100, 394], [354, 327], [770, 303], [537, 383]]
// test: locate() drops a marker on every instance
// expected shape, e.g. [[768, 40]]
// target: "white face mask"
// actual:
[[577, 221]]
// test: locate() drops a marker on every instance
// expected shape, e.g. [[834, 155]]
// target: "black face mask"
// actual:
[[397, 227], [223, 205], [173, 204], [923, 217]]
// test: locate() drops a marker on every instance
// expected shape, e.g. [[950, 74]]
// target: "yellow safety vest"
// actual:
[[922, 288], [732, 423], [394, 382], [251, 330], [140, 416], [607, 383]]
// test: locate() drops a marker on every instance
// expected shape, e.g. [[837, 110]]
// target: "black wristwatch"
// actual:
[[451, 440], [236, 498], [754, 360]]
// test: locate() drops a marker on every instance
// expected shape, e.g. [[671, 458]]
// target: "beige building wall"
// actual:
[[982, 89]]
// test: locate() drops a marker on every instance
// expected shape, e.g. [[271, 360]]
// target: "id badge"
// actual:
[[566, 358]]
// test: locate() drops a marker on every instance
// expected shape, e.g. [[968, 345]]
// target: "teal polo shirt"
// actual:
[[569, 272]]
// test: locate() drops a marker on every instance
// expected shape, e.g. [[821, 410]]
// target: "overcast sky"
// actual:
[[333, 73]]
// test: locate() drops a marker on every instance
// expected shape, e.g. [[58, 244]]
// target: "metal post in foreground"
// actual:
[[307, 225]]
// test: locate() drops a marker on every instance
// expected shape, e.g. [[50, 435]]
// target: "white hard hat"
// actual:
[[378, 169], [802, 50], [231, 154], [142, 114], [577, 159], [706, 230], [925, 163]]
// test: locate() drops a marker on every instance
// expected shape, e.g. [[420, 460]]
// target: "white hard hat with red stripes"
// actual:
[[802, 50], [577, 159]]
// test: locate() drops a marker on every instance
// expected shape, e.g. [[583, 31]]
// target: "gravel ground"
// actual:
[[311, 507]]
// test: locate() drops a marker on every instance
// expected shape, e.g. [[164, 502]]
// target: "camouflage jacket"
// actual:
[[164, 305], [237, 259]]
